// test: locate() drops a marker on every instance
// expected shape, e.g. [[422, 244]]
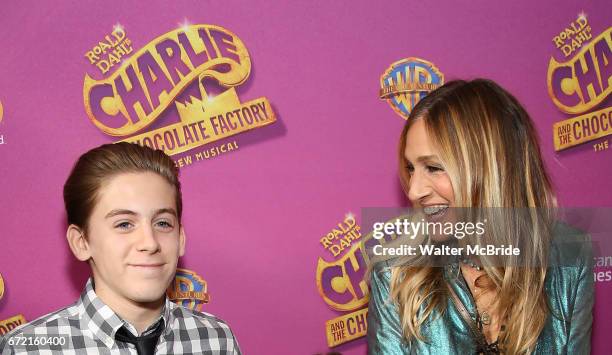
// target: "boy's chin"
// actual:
[[149, 294], [148, 298]]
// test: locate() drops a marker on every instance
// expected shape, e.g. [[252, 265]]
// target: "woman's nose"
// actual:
[[419, 187]]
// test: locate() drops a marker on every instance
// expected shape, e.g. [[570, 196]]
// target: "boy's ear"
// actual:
[[77, 242], [182, 241]]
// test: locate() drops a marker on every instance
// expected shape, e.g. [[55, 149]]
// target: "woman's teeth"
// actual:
[[431, 210]]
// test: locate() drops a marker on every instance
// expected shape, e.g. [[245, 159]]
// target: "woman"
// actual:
[[472, 145]]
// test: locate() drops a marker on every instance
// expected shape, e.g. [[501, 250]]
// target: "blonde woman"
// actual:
[[472, 145]]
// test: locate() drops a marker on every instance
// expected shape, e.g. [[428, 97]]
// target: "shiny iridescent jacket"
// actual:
[[569, 288]]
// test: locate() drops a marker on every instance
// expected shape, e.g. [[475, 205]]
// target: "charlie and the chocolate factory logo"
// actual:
[[580, 83], [341, 282], [159, 95]]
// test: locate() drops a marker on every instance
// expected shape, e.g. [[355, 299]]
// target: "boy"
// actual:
[[124, 205]]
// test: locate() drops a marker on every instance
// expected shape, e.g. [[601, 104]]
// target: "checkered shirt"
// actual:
[[90, 327]]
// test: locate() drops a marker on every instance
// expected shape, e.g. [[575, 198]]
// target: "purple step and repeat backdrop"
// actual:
[[273, 111]]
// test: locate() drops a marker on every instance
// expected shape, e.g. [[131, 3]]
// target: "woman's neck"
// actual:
[[485, 301]]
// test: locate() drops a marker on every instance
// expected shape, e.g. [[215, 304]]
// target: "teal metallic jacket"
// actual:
[[567, 329]]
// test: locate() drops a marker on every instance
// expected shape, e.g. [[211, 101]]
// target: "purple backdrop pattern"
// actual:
[[254, 217]]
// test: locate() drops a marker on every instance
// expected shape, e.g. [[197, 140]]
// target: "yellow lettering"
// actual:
[[103, 65]]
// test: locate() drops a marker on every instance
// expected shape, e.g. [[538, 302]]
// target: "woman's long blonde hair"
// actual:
[[490, 151]]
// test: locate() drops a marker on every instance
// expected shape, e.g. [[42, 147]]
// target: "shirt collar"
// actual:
[[103, 322]]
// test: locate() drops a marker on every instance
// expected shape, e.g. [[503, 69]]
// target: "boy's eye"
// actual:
[[164, 224], [123, 225]]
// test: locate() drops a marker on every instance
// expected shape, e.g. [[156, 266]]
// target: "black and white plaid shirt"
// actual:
[[89, 327]]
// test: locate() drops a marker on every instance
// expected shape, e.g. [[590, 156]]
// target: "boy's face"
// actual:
[[134, 238]]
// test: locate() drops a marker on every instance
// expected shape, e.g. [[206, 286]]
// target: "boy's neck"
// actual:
[[139, 314]]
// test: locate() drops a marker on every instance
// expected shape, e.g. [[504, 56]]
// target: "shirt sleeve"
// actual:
[[384, 329], [5, 345], [4, 348], [579, 340], [236, 347]]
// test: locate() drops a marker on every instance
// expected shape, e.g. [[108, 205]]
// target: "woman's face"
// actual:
[[430, 187]]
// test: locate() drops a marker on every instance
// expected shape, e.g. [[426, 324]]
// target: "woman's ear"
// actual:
[[77, 242]]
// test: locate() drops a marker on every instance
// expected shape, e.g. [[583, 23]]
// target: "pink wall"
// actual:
[[254, 216]]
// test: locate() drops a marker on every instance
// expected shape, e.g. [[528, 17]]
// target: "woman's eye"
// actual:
[[434, 169], [410, 169]]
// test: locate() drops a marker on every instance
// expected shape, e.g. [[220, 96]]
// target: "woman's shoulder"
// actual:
[[566, 232], [380, 272], [380, 275], [570, 247], [570, 262]]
